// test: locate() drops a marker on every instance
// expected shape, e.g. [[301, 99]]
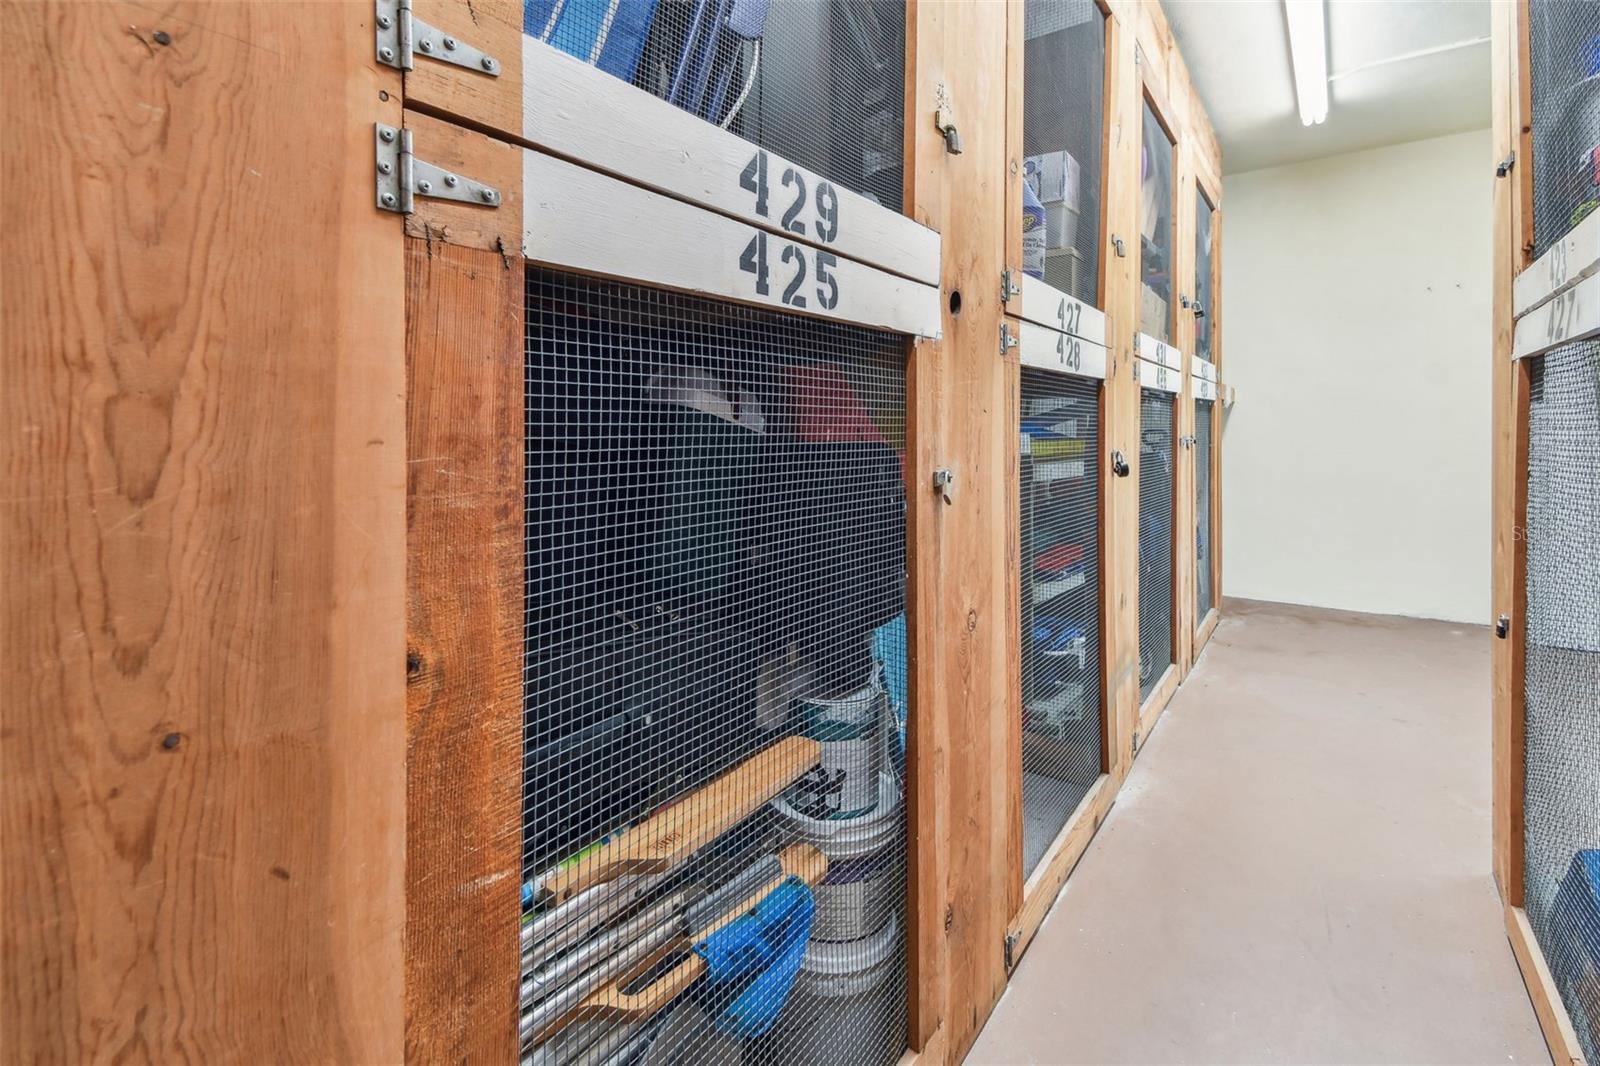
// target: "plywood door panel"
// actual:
[[203, 532]]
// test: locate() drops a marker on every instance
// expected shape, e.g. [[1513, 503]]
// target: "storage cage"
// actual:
[[1156, 311], [1063, 121], [1203, 527], [715, 852], [1061, 690], [1156, 500], [1561, 679]]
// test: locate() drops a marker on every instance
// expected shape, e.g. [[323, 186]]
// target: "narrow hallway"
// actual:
[[1296, 870]]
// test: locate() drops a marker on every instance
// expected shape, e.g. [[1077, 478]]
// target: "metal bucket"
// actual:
[[865, 880], [850, 728], [848, 1003]]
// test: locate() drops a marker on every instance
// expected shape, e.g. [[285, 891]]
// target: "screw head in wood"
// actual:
[[384, 168], [386, 54], [424, 186], [384, 22], [388, 199], [488, 196], [451, 180], [488, 63], [162, 37], [450, 44], [425, 44], [386, 135]]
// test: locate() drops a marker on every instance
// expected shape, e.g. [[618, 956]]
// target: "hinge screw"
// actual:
[[386, 54], [451, 180], [450, 44], [425, 45], [384, 22], [488, 63], [424, 186], [384, 168], [388, 199], [386, 135], [488, 196]]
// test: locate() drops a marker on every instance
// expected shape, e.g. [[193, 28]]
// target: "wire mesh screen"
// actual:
[[1203, 411], [1063, 83], [1155, 229], [1060, 485], [1203, 267], [715, 684], [1155, 537], [1561, 691], [1564, 75], [820, 82]]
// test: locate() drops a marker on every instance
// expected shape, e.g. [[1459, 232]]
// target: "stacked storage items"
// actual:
[[716, 568], [1060, 601], [1562, 672], [1062, 126]]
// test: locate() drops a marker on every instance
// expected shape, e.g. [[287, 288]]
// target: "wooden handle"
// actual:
[[671, 835], [609, 1001]]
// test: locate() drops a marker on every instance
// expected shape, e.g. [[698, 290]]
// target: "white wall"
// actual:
[[1356, 328]]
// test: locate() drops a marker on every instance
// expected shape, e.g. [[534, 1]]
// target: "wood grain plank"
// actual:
[[464, 607], [203, 538], [1050, 876], [1554, 1021]]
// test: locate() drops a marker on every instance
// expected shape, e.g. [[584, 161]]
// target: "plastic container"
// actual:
[[848, 1003], [865, 881], [850, 728]]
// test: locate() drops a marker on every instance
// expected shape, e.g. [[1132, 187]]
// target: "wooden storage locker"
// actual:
[[1546, 585], [603, 497]]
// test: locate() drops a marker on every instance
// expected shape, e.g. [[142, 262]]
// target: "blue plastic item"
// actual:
[[889, 648], [1574, 942], [765, 948], [608, 34]]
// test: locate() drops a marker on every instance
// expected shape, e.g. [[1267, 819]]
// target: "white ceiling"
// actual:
[[1238, 56]]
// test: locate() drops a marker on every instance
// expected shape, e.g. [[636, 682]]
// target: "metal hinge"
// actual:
[[402, 176], [1008, 288], [401, 37], [1135, 342], [1503, 167], [1007, 341], [1012, 939], [1122, 249]]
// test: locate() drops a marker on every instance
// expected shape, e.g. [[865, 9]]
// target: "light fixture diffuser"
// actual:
[[1308, 47]]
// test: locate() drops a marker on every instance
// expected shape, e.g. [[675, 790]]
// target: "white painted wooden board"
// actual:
[[585, 221], [1156, 376], [1051, 307], [1151, 350], [1204, 370], [1565, 263], [1203, 389], [585, 114], [1050, 349], [1573, 315]]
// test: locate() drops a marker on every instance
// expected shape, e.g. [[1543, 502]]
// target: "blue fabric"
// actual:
[[764, 948], [579, 25], [889, 648]]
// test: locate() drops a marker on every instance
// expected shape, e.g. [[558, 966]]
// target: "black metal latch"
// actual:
[[1502, 626], [1119, 464]]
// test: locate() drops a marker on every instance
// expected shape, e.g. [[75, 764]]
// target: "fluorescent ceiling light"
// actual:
[[1308, 47]]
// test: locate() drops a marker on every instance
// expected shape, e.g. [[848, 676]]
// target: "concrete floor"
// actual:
[[1296, 870]]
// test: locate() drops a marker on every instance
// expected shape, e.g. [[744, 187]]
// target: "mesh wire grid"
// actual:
[[1062, 124], [1203, 413], [1564, 76], [819, 82], [1561, 690], [1155, 537], [715, 683], [1155, 229], [1202, 276], [1061, 690]]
